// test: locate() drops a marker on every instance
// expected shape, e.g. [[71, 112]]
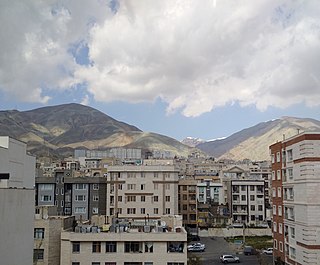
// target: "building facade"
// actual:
[[297, 160], [17, 174], [140, 191]]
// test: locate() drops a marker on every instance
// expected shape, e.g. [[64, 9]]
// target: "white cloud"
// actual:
[[194, 55]]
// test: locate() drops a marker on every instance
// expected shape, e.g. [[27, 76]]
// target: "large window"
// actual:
[[96, 247], [46, 198], [80, 210], [148, 247], [132, 246], [80, 198], [46, 186], [111, 246], [38, 254], [81, 186], [39, 233], [76, 247]]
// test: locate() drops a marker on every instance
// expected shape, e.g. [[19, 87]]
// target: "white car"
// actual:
[[229, 259], [196, 247], [268, 251]]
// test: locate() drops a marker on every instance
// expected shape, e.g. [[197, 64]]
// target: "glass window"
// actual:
[[96, 247], [38, 254], [111, 246], [75, 247], [39, 233]]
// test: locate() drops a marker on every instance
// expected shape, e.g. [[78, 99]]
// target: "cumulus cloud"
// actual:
[[194, 55]]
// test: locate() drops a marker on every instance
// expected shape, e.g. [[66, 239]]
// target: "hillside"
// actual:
[[253, 143], [58, 130]]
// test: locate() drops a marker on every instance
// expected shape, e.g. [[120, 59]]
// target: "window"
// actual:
[[252, 207], [131, 198], [272, 158], [62, 191], [273, 175], [96, 247], [260, 208], [251, 188], [119, 186], [148, 247], [185, 197], [167, 198], [95, 198], [131, 210], [76, 247], [155, 198], [143, 198], [274, 210], [38, 233], [292, 232], [95, 187], [62, 203], [148, 263], [289, 155], [110, 263], [278, 175], [81, 186], [142, 186], [131, 186], [280, 210], [290, 173], [143, 210], [80, 210], [243, 188], [274, 192], [243, 197], [95, 210], [281, 246], [57, 191], [80, 198], [38, 254], [46, 198], [167, 210], [251, 197], [280, 228], [46, 186], [95, 263], [111, 246], [275, 227], [75, 263], [175, 263], [132, 246], [278, 157], [155, 175], [155, 210], [167, 186], [119, 198], [275, 244]]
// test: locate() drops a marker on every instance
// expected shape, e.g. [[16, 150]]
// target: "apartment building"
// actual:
[[136, 191], [47, 234], [247, 202], [297, 161], [17, 174], [126, 243], [81, 196], [187, 199]]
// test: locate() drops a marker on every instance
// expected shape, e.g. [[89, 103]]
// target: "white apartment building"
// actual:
[[301, 200], [17, 174], [248, 203], [140, 191], [125, 244], [210, 192]]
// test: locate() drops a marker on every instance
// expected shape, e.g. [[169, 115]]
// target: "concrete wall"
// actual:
[[16, 230], [232, 232]]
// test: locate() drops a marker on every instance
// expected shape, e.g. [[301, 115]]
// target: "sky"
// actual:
[[180, 68]]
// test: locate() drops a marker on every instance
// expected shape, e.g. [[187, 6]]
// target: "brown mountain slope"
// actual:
[[253, 143], [60, 129]]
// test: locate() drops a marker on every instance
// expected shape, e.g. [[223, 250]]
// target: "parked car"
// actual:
[[196, 247], [248, 250], [268, 251], [229, 259]]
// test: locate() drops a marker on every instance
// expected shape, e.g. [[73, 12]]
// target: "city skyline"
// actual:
[[179, 68]]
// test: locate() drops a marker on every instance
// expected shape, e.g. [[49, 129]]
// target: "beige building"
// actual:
[[47, 235], [142, 191], [161, 242], [17, 174]]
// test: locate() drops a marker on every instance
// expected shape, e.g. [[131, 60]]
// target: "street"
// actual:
[[217, 246]]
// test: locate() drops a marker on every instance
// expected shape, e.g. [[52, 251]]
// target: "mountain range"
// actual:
[[58, 130], [253, 143]]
